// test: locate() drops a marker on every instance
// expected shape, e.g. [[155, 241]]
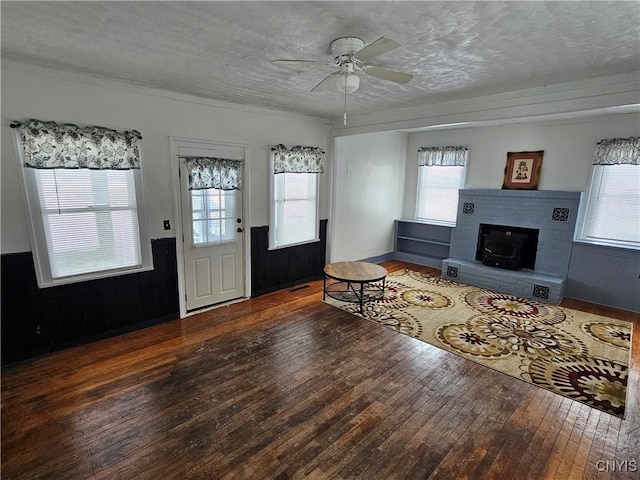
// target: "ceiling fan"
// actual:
[[351, 57]]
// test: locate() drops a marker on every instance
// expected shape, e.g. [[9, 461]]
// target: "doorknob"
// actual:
[[239, 230]]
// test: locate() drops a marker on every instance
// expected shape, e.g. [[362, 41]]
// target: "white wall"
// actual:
[[31, 92], [368, 193], [568, 150]]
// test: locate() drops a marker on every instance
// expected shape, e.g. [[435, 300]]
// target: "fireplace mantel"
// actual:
[[496, 192], [554, 213]]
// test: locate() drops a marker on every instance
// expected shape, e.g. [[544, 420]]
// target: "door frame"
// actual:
[[174, 144]]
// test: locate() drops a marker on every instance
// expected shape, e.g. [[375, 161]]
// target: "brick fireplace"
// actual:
[[553, 213]]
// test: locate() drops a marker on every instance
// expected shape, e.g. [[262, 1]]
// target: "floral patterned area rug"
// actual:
[[579, 355]]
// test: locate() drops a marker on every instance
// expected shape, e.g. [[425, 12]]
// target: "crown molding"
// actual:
[[13, 66]]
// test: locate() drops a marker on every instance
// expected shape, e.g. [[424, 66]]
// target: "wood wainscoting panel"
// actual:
[[272, 270], [37, 321]]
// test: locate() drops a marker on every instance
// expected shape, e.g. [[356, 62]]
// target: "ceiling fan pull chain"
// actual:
[[345, 107]]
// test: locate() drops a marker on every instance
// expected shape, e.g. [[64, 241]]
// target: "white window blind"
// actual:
[[294, 212], [611, 213], [89, 219], [437, 198]]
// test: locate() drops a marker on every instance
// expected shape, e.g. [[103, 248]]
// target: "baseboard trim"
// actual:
[[275, 288], [379, 258], [76, 342]]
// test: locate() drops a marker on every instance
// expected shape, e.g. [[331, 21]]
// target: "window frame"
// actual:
[[586, 204], [421, 188], [37, 235], [273, 245]]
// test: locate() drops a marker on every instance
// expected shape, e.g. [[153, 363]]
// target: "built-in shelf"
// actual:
[[421, 243], [423, 240]]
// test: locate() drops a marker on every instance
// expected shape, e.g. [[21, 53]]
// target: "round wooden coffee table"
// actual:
[[356, 282]]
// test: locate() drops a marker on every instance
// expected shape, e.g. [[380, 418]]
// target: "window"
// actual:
[[84, 223], [441, 173], [213, 183], [295, 212], [213, 212], [611, 206], [294, 195]]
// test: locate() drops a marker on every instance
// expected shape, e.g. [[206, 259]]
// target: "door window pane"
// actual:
[[213, 215]]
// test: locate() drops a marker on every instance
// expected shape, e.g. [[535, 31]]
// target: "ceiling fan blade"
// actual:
[[386, 74], [282, 61], [380, 46], [328, 83]]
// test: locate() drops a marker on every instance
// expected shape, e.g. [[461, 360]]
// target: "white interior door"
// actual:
[[213, 237]]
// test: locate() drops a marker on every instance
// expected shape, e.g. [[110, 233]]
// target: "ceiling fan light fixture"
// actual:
[[348, 83]]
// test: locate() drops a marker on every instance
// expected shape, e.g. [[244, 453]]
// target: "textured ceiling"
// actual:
[[222, 50]]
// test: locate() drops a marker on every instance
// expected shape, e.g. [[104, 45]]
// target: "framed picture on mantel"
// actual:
[[523, 170]]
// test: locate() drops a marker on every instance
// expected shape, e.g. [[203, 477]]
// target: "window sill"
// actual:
[[595, 243], [47, 283], [426, 221]]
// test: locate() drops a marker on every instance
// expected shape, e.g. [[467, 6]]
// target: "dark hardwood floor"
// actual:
[[283, 386]]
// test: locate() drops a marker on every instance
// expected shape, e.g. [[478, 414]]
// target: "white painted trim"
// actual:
[[28, 200], [246, 220], [214, 307], [331, 232], [558, 118], [174, 144], [330, 189]]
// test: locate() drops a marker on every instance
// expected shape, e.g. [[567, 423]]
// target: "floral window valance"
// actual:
[[442, 156], [617, 151], [210, 172], [298, 159], [50, 145]]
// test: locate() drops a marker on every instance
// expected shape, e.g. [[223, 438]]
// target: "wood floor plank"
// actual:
[[582, 460], [284, 386], [562, 439], [595, 452], [531, 438], [573, 444]]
